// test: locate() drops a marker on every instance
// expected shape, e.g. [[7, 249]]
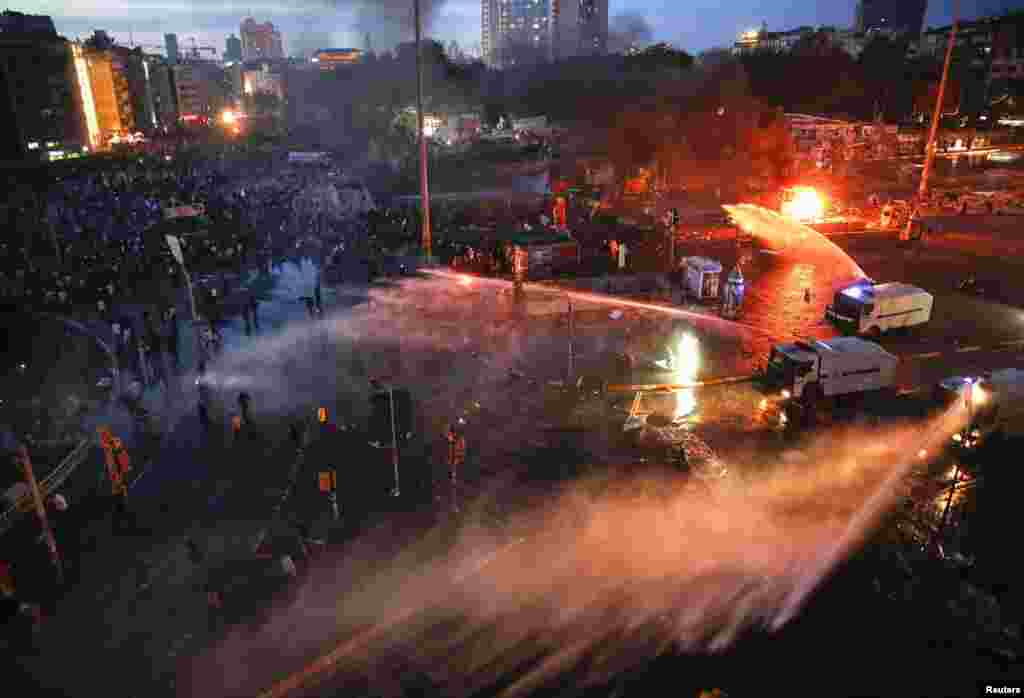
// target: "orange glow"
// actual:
[[466, 280], [803, 204]]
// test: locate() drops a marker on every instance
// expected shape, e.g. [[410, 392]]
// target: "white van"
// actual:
[[871, 309]]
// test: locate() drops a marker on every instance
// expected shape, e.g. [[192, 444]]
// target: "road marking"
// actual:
[[1012, 343], [964, 350], [927, 355]]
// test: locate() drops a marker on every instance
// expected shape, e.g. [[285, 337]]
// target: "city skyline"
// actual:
[[699, 25]]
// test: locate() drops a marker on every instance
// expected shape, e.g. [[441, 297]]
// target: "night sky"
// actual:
[[692, 24]]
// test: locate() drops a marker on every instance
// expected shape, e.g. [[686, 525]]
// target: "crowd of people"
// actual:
[[100, 254]]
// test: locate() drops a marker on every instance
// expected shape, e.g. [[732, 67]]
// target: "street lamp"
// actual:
[[930, 147], [175, 244], [397, 491], [424, 186]]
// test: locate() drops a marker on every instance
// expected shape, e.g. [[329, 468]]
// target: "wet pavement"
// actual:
[[469, 350]]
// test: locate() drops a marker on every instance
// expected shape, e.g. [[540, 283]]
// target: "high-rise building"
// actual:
[[233, 49], [514, 32], [111, 93], [171, 46], [488, 30], [263, 77], [201, 89], [38, 100], [260, 40], [161, 91], [897, 16], [593, 26]]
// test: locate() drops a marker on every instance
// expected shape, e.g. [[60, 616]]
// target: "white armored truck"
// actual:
[[872, 309], [808, 371]]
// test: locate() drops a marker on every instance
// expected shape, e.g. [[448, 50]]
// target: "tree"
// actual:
[[660, 56]]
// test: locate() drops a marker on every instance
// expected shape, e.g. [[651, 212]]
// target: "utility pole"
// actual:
[[397, 492], [424, 186], [37, 498], [929, 157], [572, 355]]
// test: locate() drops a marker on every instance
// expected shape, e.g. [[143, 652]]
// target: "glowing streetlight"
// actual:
[[686, 364]]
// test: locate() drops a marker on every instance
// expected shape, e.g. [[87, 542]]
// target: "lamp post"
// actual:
[[397, 491], [424, 186], [175, 244], [930, 147]]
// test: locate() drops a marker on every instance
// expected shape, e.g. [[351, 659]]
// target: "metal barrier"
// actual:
[[51, 482]]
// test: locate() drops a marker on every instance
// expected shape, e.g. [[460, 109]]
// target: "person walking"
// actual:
[[253, 307], [295, 434], [244, 402], [173, 337], [456, 458], [310, 305], [204, 417]]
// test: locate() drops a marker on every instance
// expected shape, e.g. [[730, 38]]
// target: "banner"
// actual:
[[184, 211]]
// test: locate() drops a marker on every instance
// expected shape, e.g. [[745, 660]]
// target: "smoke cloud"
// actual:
[[628, 29], [388, 22]]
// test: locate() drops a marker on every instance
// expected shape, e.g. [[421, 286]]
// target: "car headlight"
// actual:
[[975, 434], [764, 404], [958, 438], [786, 395]]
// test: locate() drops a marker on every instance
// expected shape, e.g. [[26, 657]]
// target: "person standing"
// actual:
[[173, 337], [142, 351], [204, 417], [456, 458], [253, 307], [244, 402]]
